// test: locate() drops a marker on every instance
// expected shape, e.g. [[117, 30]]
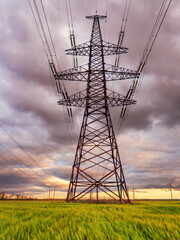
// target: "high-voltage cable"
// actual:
[[49, 47], [71, 30], [20, 147], [18, 160], [143, 61], [123, 29]]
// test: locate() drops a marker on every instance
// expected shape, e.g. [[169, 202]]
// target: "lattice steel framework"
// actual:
[[97, 166]]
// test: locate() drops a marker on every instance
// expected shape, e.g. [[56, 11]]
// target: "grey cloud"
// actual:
[[62, 172]]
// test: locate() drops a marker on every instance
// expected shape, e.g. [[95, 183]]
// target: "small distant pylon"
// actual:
[[91, 195]]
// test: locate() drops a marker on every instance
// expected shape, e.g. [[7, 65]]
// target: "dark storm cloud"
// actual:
[[22, 55], [156, 171], [62, 172], [39, 108], [160, 102], [13, 178], [17, 51], [23, 179], [159, 94]]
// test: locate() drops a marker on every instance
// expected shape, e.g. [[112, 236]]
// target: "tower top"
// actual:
[[94, 17]]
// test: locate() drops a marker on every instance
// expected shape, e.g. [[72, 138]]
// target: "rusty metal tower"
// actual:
[[97, 166]]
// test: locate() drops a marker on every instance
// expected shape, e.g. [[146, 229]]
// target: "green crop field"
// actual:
[[60, 220]]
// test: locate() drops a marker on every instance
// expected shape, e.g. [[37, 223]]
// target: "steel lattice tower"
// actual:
[[97, 166]]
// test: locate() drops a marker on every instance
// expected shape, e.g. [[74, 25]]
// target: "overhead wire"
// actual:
[[15, 131], [20, 147], [70, 122], [43, 37], [71, 30], [4, 130], [56, 86], [63, 91], [6, 181], [143, 61], [122, 30], [122, 33], [118, 57], [43, 31], [36, 23], [106, 14], [154, 33], [66, 117], [22, 163], [51, 52], [67, 12], [49, 31], [158, 23], [71, 14], [19, 160]]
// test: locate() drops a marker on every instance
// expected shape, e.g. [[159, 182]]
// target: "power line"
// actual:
[[122, 36], [118, 57], [49, 31], [8, 181], [61, 89], [106, 13], [71, 15], [31, 177], [158, 23], [36, 23], [123, 29], [19, 146], [71, 30], [44, 39], [43, 36], [72, 37], [18, 159], [43, 31], [52, 66], [142, 65]]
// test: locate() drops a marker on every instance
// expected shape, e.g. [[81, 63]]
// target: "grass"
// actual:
[[35, 220]]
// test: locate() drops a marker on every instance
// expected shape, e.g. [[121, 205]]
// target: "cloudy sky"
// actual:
[[36, 145]]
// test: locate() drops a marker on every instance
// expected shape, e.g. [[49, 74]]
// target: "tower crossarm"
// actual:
[[116, 99], [113, 49], [112, 73], [113, 99], [74, 74], [76, 100], [108, 48], [117, 73], [80, 50]]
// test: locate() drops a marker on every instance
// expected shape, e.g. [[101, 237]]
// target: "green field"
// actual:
[[59, 220]]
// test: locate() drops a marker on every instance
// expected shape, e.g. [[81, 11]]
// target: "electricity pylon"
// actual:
[[97, 166]]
